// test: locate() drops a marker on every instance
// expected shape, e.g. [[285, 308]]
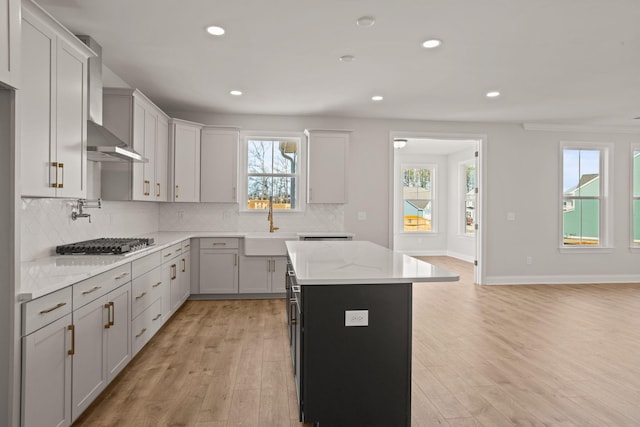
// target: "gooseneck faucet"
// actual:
[[270, 217]]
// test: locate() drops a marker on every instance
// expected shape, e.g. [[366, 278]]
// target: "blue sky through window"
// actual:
[[577, 163]]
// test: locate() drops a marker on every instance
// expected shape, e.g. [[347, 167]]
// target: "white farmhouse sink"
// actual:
[[267, 244]]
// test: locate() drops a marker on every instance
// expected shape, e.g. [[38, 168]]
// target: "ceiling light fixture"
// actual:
[[365, 21], [493, 94], [347, 58], [399, 143], [215, 30], [235, 92], [430, 44], [377, 98]]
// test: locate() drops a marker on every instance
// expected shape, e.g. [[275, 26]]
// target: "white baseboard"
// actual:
[[462, 257], [562, 279]]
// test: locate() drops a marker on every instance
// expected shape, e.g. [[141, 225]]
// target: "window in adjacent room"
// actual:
[[418, 194], [584, 195], [273, 170], [468, 178], [635, 167]]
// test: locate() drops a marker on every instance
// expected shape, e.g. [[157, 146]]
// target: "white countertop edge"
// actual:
[[35, 288]]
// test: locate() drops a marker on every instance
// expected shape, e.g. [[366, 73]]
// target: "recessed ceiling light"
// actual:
[[365, 21], [493, 94], [377, 98], [235, 92], [215, 30], [347, 58], [430, 44]]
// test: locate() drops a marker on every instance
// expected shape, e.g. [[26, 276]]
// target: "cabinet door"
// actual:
[[255, 275], [327, 167], [174, 283], [119, 331], [150, 136], [185, 275], [37, 128], [71, 107], [218, 158], [218, 271], [10, 42], [186, 163], [89, 361], [46, 375], [141, 185], [162, 156], [278, 274]]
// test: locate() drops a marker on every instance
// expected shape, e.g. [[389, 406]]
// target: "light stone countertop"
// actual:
[[358, 262], [46, 275]]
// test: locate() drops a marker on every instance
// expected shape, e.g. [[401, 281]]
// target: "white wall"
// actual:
[[520, 176]]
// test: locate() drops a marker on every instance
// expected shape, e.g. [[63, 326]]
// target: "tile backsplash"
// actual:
[[46, 223], [227, 217]]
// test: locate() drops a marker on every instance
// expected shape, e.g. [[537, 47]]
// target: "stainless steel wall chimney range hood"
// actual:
[[102, 145]]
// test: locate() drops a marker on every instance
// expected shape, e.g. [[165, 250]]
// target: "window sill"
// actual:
[[583, 250], [634, 249]]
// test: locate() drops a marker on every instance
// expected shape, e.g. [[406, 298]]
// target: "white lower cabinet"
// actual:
[[145, 325], [102, 345], [184, 272], [46, 375], [219, 266], [260, 275]]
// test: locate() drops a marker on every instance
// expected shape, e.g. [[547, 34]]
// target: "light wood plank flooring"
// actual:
[[482, 356]]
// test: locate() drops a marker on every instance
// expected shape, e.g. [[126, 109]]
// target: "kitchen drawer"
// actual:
[[219, 243], [44, 310], [171, 252], [148, 263], [186, 245], [145, 325], [96, 286], [143, 290]]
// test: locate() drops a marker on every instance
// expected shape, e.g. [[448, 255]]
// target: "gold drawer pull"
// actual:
[[55, 307], [125, 274], [95, 288], [141, 332], [157, 317], [157, 284], [141, 295], [72, 328], [168, 255], [219, 243]]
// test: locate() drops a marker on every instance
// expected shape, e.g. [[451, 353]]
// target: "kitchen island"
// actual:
[[349, 309]]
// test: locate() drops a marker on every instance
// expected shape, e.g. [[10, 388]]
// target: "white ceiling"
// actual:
[[554, 61]]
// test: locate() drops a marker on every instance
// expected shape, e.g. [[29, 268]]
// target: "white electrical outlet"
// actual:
[[356, 318], [362, 216]]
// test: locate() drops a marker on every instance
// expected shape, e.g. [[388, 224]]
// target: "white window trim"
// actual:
[[301, 173], [462, 198], [435, 205], [633, 248], [606, 190]]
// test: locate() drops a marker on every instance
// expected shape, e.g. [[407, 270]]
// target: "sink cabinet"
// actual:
[[53, 108], [260, 275]]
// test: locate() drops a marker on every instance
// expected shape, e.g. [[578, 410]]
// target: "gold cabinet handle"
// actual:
[[158, 193], [108, 307], [61, 166], [55, 183], [141, 332], [141, 295], [72, 328], [235, 259], [123, 275], [95, 288], [157, 317], [174, 271], [157, 284], [292, 305], [184, 265], [113, 313], [55, 307], [146, 187]]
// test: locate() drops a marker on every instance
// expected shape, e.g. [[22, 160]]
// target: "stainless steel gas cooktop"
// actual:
[[105, 246]]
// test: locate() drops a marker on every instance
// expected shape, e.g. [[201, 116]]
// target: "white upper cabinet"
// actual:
[[185, 160], [327, 171], [53, 108], [138, 122], [218, 165], [10, 42]]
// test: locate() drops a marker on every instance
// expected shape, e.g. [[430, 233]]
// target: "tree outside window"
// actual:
[[272, 173]]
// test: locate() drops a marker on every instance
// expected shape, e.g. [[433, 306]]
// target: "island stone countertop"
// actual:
[[358, 262]]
